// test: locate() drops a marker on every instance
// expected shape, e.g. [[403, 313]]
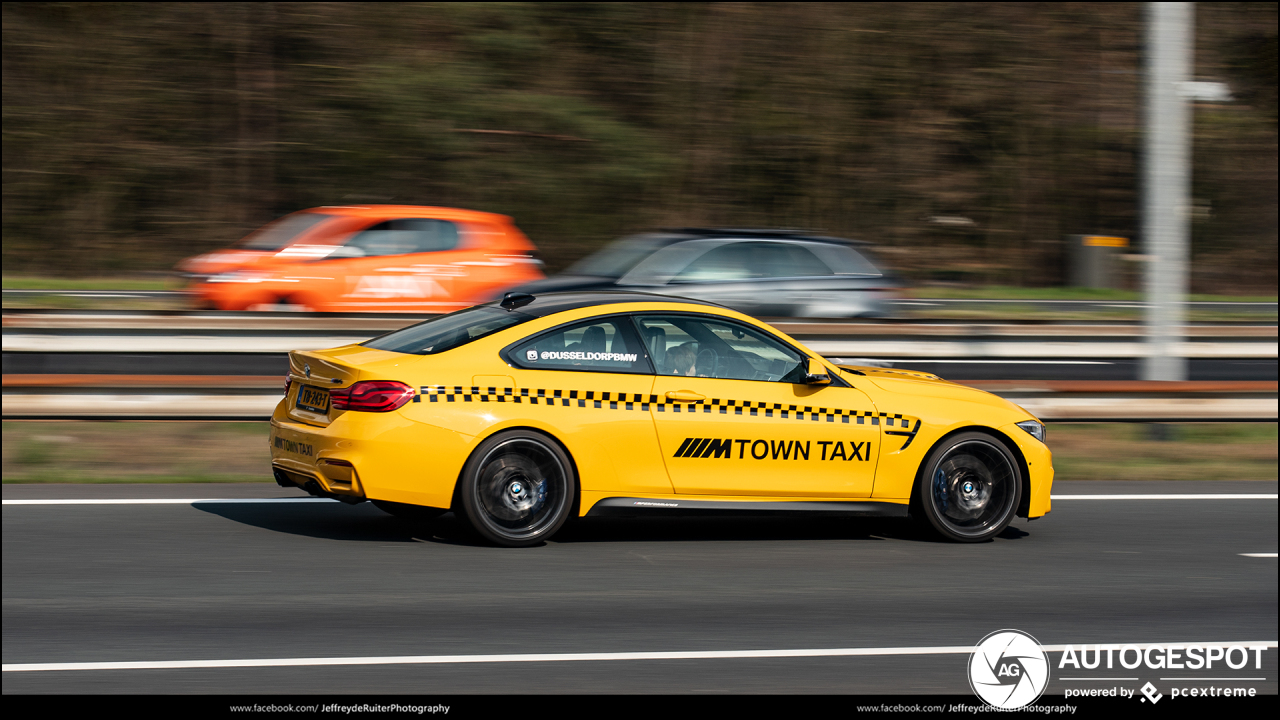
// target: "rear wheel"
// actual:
[[969, 488], [517, 489]]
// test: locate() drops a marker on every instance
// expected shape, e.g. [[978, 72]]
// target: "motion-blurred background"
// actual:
[[971, 147], [967, 141]]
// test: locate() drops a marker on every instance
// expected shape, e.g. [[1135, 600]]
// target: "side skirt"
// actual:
[[616, 506]]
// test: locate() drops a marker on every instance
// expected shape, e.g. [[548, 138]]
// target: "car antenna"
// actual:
[[513, 300]]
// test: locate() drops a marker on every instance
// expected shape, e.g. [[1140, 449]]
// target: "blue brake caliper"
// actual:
[[940, 489]]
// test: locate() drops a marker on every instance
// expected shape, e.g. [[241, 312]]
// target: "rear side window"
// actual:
[[598, 345], [848, 261], [448, 331], [754, 260], [404, 236]]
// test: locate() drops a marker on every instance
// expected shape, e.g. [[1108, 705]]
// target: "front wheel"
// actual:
[[969, 488], [517, 489]]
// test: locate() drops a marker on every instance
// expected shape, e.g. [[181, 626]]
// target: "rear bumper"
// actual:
[[375, 456]]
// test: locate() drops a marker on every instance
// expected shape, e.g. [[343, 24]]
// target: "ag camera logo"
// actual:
[[1008, 669]]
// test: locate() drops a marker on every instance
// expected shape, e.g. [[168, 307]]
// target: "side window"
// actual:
[[401, 237], [600, 345], [790, 260], [727, 262], [754, 260], [847, 261], [427, 235], [705, 347]]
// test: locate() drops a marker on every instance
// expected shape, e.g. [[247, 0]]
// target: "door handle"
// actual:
[[688, 396]]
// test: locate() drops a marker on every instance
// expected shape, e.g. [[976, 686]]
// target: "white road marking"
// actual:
[[1008, 362], [1259, 555], [169, 501], [1186, 496], [548, 657], [276, 501]]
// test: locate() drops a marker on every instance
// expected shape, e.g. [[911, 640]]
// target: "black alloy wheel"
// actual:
[[970, 487], [517, 488]]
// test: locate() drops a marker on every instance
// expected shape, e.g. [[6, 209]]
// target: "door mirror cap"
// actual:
[[816, 374]]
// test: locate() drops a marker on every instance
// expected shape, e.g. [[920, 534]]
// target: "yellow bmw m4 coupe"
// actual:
[[520, 414]]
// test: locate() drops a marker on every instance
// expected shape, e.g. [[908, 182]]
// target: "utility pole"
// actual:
[[1167, 186]]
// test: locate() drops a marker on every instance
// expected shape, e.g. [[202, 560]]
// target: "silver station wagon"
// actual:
[[764, 273]]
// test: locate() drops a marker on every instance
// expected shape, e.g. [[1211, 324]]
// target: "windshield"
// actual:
[[448, 331], [281, 233], [616, 259]]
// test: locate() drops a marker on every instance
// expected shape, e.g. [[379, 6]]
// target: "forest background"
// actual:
[[966, 140]]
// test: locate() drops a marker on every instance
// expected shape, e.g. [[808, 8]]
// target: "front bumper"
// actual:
[[1039, 469]]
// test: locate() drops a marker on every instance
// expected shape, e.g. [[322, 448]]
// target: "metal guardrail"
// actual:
[[254, 396], [975, 348], [70, 332], [321, 323], [200, 397]]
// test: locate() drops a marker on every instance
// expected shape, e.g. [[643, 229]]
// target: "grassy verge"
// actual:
[[1194, 451], [105, 285], [30, 282], [1016, 311], [1007, 292], [1005, 312], [1024, 313], [128, 452], [63, 302]]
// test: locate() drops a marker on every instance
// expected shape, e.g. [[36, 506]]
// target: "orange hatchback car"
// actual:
[[378, 258]]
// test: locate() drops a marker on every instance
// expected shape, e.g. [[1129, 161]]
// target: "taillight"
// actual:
[[372, 396], [288, 380]]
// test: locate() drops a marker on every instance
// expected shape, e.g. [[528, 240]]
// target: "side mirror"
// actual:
[[513, 300], [816, 374]]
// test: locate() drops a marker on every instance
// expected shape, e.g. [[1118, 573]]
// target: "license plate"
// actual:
[[313, 399]]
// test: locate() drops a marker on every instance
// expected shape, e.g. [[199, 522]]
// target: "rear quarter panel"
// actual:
[[601, 419]]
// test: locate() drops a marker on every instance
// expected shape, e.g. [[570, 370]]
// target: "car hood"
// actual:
[[261, 260], [922, 384], [223, 261]]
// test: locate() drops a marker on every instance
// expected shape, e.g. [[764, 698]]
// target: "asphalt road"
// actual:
[[958, 369], [319, 579]]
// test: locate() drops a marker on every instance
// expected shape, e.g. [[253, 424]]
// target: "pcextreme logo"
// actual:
[[1008, 669]]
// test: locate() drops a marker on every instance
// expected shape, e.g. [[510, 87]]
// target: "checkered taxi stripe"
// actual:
[[636, 401]]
